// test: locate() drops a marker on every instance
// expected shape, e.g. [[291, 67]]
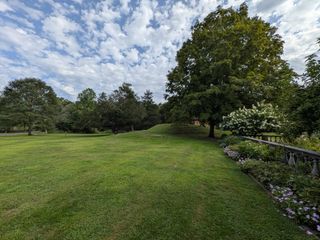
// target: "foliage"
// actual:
[[304, 107], [63, 119], [83, 112], [281, 174], [297, 194], [252, 150], [230, 140], [231, 60], [308, 142], [165, 112], [28, 102], [273, 172], [251, 121], [152, 113], [305, 212], [129, 110], [122, 110]]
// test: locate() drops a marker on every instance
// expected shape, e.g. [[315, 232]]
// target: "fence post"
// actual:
[[315, 169], [291, 161]]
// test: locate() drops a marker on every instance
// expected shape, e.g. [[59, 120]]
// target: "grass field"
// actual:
[[156, 184]]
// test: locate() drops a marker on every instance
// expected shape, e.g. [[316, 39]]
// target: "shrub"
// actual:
[[280, 174], [311, 143], [252, 150], [250, 121], [230, 140], [267, 172], [297, 194]]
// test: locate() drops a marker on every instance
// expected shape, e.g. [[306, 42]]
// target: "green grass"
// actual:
[[165, 183]]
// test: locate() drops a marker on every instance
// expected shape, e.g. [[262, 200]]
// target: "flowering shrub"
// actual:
[[251, 121]]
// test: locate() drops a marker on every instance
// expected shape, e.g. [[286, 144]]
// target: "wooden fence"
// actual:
[[294, 154]]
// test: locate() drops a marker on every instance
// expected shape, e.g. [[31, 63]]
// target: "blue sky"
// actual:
[[76, 44]]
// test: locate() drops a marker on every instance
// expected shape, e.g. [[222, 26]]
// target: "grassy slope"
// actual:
[[141, 185]]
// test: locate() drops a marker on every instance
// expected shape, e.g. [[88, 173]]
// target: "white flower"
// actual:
[[309, 233]]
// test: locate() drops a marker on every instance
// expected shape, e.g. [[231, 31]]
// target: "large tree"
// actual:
[[304, 105], [231, 60], [28, 102]]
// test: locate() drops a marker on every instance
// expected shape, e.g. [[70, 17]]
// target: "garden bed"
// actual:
[[296, 193]]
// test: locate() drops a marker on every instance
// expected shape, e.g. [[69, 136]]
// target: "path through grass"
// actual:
[[156, 184]]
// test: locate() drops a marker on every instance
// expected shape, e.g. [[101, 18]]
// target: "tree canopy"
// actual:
[[304, 105], [28, 102], [231, 60]]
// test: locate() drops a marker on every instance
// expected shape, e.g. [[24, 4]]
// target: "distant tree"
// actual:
[[151, 109], [232, 60], [164, 109], [28, 102], [83, 113], [108, 113], [64, 122], [128, 108]]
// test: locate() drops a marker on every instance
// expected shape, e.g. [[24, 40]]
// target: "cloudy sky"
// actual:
[[76, 44]]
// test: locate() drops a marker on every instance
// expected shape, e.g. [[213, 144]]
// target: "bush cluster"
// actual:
[[297, 194], [230, 140], [295, 191], [311, 143], [260, 118]]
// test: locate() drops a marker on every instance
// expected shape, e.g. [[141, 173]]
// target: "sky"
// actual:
[[78, 44]]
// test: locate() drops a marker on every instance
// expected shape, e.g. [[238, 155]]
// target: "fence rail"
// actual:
[[270, 138], [294, 154]]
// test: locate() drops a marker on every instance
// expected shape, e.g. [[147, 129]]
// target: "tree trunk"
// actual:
[[29, 130], [211, 129], [132, 127]]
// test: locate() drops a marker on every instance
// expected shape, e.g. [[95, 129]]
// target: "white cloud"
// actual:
[[4, 7], [97, 44], [298, 24], [60, 29], [29, 12], [132, 55]]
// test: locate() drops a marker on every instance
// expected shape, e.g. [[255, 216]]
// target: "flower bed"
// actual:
[[297, 194]]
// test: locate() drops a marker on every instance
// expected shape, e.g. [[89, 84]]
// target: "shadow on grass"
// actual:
[[87, 135], [183, 130]]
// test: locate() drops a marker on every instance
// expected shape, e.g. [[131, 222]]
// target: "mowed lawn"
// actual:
[[156, 184]]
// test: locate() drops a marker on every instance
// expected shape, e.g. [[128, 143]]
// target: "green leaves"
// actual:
[[260, 118], [231, 60], [28, 102]]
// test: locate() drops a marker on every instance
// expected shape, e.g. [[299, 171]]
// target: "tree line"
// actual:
[[233, 61], [30, 104]]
